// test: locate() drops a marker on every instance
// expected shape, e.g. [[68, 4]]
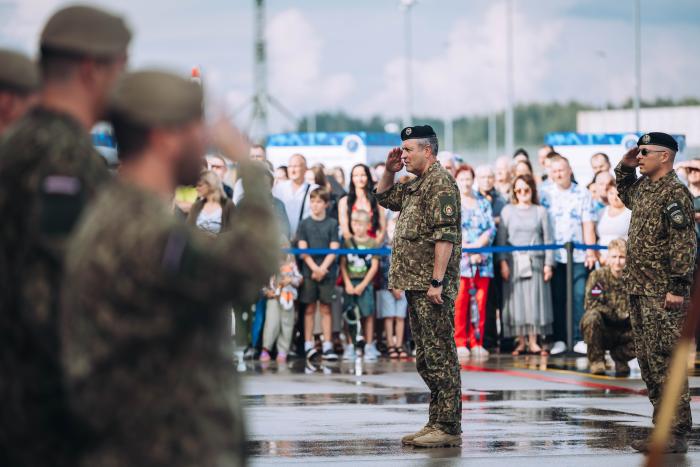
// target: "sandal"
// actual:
[[403, 353], [393, 352]]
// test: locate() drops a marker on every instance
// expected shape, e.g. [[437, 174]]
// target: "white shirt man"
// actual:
[[294, 193]]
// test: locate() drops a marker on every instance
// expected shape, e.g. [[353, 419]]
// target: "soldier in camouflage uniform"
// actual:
[[48, 171], [606, 323], [19, 83], [660, 263], [146, 343], [425, 263]]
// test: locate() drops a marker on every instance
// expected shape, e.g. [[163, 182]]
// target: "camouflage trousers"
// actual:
[[656, 332], [432, 327], [601, 335]]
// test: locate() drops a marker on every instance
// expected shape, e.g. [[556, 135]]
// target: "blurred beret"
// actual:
[[659, 139], [417, 132], [17, 72], [84, 30], [157, 99]]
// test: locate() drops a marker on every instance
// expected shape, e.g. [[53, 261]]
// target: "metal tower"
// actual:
[[257, 127]]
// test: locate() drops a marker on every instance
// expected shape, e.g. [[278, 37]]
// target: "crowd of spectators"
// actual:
[[339, 306]]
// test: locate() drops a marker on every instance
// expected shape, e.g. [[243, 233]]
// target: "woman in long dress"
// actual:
[[527, 310]]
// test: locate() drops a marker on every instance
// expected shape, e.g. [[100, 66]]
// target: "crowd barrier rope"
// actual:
[[489, 249]]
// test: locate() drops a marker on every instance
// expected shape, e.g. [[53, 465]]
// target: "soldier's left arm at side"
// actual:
[[679, 212]]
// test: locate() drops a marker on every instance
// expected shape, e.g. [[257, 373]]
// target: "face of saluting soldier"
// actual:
[[416, 156], [653, 158]]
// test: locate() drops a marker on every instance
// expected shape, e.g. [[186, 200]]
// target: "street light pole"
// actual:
[[637, 63], [509, 123], [406, 6]]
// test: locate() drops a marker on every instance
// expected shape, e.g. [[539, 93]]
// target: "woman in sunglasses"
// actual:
[[527, 310]]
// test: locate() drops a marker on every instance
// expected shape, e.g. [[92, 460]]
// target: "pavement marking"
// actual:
[[553, 379]]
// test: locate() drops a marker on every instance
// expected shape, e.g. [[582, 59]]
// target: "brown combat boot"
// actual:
[[437, 439], [622, 368], [676, 444], [408, 439], [597, 368]]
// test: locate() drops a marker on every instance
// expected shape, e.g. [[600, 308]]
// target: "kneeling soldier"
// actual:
[[606, 323]]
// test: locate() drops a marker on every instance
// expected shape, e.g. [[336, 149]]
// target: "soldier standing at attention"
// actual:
[[144, 324], [659, 270], [606, 323], [425, 263], [19, 83], [49, 170]]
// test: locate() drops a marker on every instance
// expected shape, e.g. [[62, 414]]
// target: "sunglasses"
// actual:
[[646, 152], [522, 191]]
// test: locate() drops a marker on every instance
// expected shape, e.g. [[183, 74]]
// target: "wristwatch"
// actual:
[[436, 283]]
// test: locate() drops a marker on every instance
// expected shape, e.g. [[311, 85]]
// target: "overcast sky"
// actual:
[[348, 54]]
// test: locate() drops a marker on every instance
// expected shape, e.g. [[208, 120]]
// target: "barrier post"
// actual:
[[569, 295]]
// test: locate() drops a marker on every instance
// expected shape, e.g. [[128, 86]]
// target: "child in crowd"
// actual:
[[392, 305], [358, 272], [319, 271], [279, 319]]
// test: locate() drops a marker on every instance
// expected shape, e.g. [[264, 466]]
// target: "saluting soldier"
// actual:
[[660, 263], [49, 171], [19, 83], [606, 323], [425, 263], [146, 343]]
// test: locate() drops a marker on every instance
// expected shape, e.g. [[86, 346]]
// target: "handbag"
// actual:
[[522, 260]]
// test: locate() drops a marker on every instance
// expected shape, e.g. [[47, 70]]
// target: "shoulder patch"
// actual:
[[676, 215], [597, 290], [448, 206]]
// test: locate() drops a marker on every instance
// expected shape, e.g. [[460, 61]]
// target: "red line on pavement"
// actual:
[[554, 379]]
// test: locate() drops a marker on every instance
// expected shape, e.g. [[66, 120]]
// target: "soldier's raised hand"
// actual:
[[393, 160], [229, 139], [630, 157]]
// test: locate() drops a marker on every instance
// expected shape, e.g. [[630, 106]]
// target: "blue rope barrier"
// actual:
[[490, 249]]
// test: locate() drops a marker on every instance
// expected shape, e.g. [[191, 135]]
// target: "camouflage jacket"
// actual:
[[49, 170], [606, 294], [662, 244], [145, 332], [430, 211]]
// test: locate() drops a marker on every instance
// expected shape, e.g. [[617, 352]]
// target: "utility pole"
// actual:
[[510, 92]]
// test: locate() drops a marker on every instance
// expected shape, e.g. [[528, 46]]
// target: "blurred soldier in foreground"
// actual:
[[144, 324], [49, 171], [425, 263], [659, 270], [19, 83], [606, 323]]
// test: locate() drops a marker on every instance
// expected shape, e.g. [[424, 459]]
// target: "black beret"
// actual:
[[659, 139], [86, 31], [417, 132], [18, 73], [157, 99]]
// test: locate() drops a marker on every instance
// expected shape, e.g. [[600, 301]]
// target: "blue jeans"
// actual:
[[258, 323], [559, 300]]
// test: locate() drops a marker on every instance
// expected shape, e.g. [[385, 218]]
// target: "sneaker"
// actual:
[[581, 347], [349, 352], [597, 368], [249, 353], [462, 352], [265, 356], [408, 439], [330, 355], [311, 353], [622, 368], [281, 357], [437, 439], [557, 348], [371, 349], [369, 357], [479, 352]]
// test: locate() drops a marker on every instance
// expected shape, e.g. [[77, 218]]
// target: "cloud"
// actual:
[[469, 75], [296, 77]]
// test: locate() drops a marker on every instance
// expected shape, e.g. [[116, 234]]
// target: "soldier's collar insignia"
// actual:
[[646, 139]]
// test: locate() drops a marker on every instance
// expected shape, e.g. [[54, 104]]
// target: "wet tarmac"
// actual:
[[516, 411]]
